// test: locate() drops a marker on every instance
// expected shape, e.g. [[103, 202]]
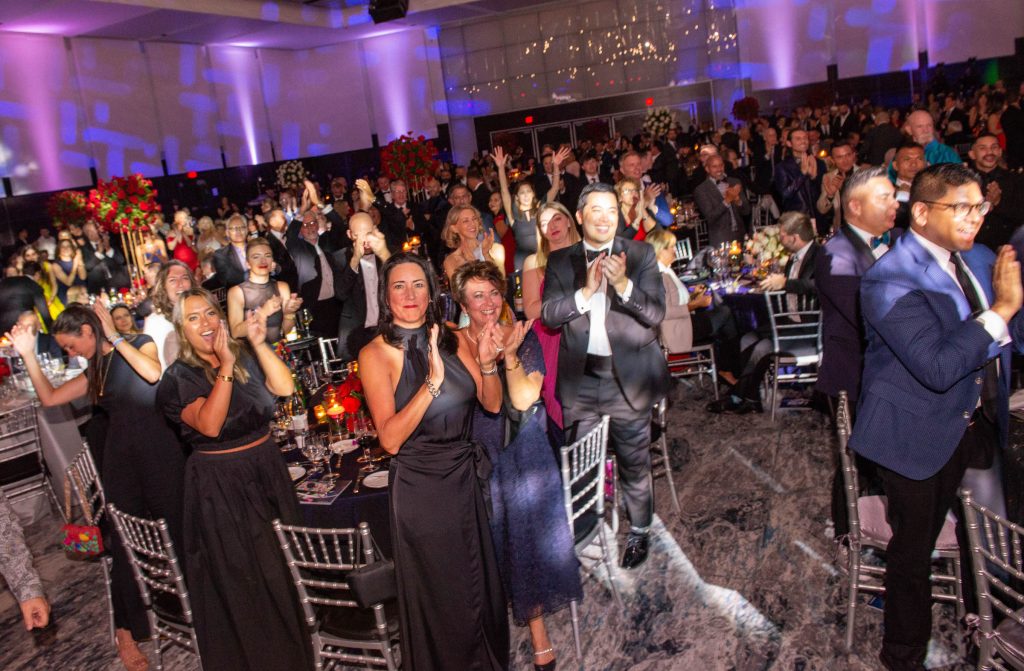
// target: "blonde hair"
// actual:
[[449, 234], [660, 239], [543, 246], [623, 183], [187, 353], [204, 225]]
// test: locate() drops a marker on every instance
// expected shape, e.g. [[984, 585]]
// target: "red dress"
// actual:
[[186, 254]]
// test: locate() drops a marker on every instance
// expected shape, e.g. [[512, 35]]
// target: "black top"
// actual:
[[449, 417], [254, 296], [124, 389], [249, 413]]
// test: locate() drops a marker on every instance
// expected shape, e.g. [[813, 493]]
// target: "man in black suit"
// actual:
[[723, 203], [104, 263], [798, 180], [229, 260], [284, 269], [357, 285], [882, 137], [1012, 121], [480, 194], [607, 297], [845, 122], [1004, 190], [767, 156], [796, 233], [869, 212], [317, 274]]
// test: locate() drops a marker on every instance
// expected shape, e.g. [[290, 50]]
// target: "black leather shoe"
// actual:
[[636, 551], [745, 407], [719, 406]]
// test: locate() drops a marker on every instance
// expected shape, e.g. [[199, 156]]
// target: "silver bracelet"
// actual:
[[492, 371], [431, 389]]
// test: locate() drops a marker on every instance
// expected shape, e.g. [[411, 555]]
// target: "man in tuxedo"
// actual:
[[664, 166], [357, 285], [1003, 189], [229, 260], [607, 297], [830, 200], [104, 263], [796, 233], [845, 122], [768, 156], [317, 275], [723, 203], [940, 313], [480, 193], [591, 170], [284, 266], [869, 205]]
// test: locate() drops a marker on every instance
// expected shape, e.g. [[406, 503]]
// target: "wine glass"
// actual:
[[305, 318], [365, 442]]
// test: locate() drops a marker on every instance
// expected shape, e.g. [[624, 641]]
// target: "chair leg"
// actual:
[[158, 653], [668, 470], [774, 368], [603, 540], [853, 572], [105, 563], [574, 612], [714, 372], [961, 610], [613, 480]]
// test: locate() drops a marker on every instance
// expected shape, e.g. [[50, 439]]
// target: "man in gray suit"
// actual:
[[723, 203], [606, 295]]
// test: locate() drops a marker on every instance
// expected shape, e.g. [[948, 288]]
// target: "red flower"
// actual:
[[345, 388], [357, 385], [351, 404]]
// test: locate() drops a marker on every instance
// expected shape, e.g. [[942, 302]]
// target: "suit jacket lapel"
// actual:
[[936, 275], [862, 248], [579, 266]]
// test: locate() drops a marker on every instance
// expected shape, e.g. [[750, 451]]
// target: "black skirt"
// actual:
[[247, 613]]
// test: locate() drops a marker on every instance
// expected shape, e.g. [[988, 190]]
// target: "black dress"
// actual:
[[451, 603], [143, 468], [247, 614]]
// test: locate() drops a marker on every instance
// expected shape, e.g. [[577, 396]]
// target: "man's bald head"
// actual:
[[360, 224]]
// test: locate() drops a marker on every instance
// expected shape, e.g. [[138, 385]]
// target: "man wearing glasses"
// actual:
[[230, 260], [940, 316]]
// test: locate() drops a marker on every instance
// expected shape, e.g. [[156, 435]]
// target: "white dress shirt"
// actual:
[[597, 306], [368, 268]]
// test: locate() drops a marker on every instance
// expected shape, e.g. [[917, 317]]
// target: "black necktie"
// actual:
[[990, 381]]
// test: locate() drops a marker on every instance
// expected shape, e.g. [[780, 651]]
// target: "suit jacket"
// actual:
[[803, 283], [480, 197], [924, 360], [632, 325], [839, 267], [229, 268], [286, 271], [308, 268], [717, 214], [351, 291], [20, 294], [798, 191], [676, 330], [103, 273]]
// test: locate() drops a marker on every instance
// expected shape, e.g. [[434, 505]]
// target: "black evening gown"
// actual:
[[452, 606], [143, 467], [247, 613]]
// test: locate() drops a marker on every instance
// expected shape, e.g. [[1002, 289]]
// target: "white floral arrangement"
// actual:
[[291, 174], [766, 246], [658, 121]]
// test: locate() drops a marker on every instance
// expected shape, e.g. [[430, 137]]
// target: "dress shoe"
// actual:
[[636, 551], [734, 405]]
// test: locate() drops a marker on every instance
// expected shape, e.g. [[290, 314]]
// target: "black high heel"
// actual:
[[550, 666]]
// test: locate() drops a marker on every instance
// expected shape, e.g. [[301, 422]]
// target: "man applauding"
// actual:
[[939, 314], [606, 295]]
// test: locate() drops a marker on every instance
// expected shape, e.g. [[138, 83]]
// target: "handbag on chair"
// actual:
[[80, 541]]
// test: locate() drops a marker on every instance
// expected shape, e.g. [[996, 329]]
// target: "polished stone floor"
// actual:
[[742, 580]]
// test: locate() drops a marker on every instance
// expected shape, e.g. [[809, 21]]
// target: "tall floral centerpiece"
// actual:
[[290, 175], [411, 159], [68, 208], [746, 109], [658, 121], [124, 206]]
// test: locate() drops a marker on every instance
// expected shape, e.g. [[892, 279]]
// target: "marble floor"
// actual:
[[742, 580]]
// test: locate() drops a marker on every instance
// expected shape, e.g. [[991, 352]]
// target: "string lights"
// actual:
[[635, 42]]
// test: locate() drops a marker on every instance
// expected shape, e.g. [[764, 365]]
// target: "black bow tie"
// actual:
[[721, 181], [592, 255]]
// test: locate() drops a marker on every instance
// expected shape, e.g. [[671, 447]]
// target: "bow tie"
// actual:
[[593, 254], [882, 239], [722, 181]]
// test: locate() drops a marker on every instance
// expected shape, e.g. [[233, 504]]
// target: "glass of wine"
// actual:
[[305, 319]]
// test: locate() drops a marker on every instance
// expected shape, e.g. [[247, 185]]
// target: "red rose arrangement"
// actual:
[[68, 208], [409, 158], [124, 204]]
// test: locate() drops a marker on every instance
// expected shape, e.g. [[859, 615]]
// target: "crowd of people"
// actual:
[[500, 314]]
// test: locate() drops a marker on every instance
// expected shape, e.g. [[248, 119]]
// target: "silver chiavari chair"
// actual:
[[161, 582], [342, 629], [869, 528], [660, 464], [583, 492], [998, 567], [795, 323], [85, 480]]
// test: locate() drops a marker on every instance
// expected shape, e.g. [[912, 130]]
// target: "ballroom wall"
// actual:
[[119, 106]]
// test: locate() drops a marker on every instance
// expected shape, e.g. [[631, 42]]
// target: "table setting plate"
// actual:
[[345, 446], [296, 472], [376, 480]]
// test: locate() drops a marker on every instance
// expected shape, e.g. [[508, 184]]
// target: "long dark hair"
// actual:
[[446, 340], [70, 322]]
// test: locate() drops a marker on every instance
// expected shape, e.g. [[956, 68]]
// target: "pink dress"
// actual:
[[549, 341]]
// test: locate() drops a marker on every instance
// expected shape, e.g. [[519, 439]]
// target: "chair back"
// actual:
[[221, 294], [700, 228], [329, 360], [583, 468], [684, 251], [998, 563], [85, 480], [155, 565], [795, 321], [851, 485], [319, 560]]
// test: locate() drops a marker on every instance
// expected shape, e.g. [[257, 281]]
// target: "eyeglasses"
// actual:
[[961, 210]]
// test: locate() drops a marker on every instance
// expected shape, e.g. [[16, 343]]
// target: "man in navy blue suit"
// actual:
[[940, 314]]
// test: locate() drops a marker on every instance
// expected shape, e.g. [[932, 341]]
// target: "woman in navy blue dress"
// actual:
[[529, 525]]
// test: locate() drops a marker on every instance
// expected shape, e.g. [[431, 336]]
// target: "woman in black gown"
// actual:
[[247, 614], [143, 461], [451, 603]]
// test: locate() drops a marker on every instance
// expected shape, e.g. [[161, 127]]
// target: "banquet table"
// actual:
[[744, 299], [368, 505]]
